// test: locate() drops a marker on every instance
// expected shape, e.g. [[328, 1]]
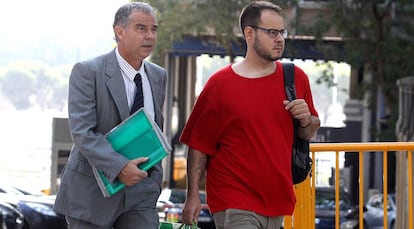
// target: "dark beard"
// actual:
[[262, 53]]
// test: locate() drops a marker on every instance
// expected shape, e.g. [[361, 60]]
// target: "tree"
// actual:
[[29, 83], [18, 93], [216, 18], [378, 36]]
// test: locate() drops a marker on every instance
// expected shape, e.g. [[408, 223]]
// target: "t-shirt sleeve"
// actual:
[[202, 128]]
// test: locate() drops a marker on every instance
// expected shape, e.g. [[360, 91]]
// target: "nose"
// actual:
[[150, 36], [279, 39], [151, 33]]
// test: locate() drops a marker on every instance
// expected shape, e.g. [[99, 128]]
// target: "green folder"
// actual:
[[137, 136]]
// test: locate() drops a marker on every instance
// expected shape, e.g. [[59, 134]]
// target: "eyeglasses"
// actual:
[[273, 33]]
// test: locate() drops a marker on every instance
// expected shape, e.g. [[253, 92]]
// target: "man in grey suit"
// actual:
[[101, 94]]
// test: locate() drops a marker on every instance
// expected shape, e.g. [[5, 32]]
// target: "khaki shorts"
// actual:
[[241, 219]]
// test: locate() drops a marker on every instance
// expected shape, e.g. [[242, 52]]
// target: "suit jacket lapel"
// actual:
[[153, 77], [116, 85]]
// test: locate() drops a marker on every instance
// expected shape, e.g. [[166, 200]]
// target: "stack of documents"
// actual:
[[137, 136]]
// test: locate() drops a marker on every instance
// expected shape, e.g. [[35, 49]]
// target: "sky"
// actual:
[[75, 21], [27, 16]]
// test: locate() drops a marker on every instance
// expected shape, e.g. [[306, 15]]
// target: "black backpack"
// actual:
[[301, 160]]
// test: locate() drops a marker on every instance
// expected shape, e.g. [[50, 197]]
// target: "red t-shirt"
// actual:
[[242, 125]]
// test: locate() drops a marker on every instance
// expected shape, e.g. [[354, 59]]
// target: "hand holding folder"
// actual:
[[138, 136], [129, 175]]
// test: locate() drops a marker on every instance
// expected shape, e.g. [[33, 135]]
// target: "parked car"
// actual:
[[165, 199], [171, 201], [325, 209], [374, 213], [37, 209], [10, 217]]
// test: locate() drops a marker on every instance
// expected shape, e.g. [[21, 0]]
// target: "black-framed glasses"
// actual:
[[273, 33]]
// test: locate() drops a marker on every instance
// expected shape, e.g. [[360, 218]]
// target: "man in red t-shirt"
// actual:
[[240, 131]]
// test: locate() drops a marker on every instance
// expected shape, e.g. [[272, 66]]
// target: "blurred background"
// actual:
[[39, 43]]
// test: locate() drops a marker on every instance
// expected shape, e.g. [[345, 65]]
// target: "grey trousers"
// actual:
[[133, 219], [241, 219]]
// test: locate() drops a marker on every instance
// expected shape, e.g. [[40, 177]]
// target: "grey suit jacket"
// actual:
[[97, 103]]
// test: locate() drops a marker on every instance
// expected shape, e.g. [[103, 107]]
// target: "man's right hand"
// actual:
[[191, 210], [130, 175]]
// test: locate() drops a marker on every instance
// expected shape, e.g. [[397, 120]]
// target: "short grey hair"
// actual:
[[123, 13]]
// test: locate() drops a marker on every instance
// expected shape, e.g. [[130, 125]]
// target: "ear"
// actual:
[[119, 31], [249, 33]]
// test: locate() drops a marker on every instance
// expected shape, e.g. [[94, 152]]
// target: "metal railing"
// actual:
[[305, 192]]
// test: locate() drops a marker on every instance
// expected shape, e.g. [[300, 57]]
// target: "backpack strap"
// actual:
[[301, 162], [289, 79]]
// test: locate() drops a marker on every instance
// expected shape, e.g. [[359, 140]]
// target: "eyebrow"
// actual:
[[143, 25]]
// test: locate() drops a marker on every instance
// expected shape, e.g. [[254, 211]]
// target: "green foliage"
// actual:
[[326, 74], [217, 18], [174, 18], [378, 35]]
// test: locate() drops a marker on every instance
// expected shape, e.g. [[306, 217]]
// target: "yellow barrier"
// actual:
[[304, 215]]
